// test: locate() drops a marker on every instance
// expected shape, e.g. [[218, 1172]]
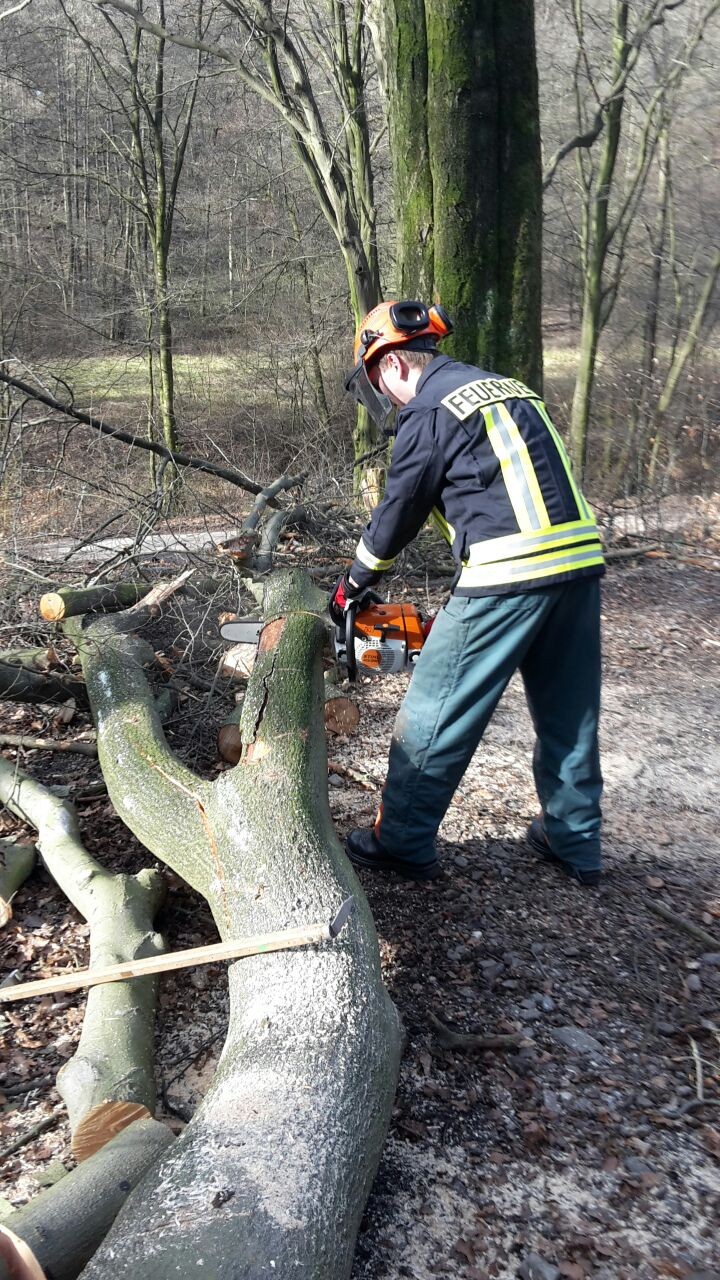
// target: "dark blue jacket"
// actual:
[[481, 456]]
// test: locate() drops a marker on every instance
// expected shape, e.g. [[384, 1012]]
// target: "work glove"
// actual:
[[341, 596], [344, 594]]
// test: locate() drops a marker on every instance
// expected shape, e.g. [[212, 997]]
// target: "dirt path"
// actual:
[[571, 1146], [568, 1147]]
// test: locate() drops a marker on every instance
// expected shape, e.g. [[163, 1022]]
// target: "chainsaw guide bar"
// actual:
[[376, 639]]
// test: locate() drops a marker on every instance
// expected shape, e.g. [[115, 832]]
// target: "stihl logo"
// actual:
[[485, 391]]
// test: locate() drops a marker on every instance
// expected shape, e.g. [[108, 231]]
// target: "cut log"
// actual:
[[272, 1173], [70, 602], [229, 739], [64, 1225], [17, 1261], [114, 1061], [238, 662], [342, 714], [21, 684], [161, 592], [16, 863], [102, 1124]]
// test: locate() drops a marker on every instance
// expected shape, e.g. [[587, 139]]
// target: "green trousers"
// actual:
[[552, 635]]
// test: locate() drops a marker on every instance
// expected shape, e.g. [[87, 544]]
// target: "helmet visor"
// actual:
[[363, 392]]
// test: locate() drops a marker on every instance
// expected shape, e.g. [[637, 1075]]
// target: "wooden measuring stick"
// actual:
[[304, 936]]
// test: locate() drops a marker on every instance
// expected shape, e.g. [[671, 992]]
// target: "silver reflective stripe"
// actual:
[[366, 557], [496, 549], [495, 575], [511, 465]]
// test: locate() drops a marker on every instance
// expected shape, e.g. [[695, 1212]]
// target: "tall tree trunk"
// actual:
[[683, 353], [466, 151], [630, 463], [519, 302], [596, 247], [166, 397], [406, 57]]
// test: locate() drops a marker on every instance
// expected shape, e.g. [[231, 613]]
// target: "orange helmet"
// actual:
[[391, 324], [397, 324]]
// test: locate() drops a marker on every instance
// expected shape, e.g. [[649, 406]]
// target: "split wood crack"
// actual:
[[202, 814]]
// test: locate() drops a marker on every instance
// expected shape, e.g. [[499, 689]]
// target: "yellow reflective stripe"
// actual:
[[446, 529], [525, 461], [498, 575], [516, 544], [582, 506], [370, 561], [512, 473]]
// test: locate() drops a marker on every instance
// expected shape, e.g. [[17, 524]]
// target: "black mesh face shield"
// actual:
[[359, 386]]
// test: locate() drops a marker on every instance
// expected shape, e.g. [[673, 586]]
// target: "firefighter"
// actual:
[[480, 454]]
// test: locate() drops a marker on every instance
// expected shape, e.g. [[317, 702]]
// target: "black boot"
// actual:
[[537, 838], [364, 850]]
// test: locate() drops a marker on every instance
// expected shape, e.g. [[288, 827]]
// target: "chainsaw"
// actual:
[[376, 639]]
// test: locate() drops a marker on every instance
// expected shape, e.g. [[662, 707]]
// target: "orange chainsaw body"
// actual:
[[388, 638]]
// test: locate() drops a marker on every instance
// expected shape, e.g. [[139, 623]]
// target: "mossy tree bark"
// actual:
[[519, 212], [464, 133], [272, 1174], [114, 1062]]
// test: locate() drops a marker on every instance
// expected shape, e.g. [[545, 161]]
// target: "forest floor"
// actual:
[[592, 1147]]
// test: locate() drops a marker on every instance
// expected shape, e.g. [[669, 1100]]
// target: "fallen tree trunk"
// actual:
[[272, 1173], [70, 602], [38, 659], [16, 863], [110, 1080], [342, 715], [21, 684], [64, 1225]]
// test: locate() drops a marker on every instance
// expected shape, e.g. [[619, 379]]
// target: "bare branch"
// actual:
[[581, 140], [126, 437], [21, 4], [654, 17]]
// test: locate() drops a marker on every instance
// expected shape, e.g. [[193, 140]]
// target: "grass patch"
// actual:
[[125, 379]]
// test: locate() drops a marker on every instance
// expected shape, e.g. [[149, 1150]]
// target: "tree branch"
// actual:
[[21, 4], [138, 442]]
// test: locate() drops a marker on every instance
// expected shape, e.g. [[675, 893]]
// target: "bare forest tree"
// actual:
[[155, 119], [621, 114]]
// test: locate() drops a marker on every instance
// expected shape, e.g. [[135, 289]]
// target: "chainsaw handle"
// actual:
[[351, 609]]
